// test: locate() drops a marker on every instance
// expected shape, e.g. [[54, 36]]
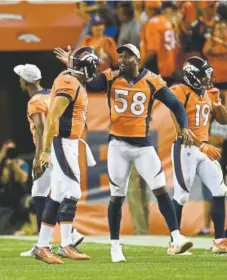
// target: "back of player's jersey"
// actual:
[[158, 35], [198, 110], [131, 102], [39, 103], [72, 122]]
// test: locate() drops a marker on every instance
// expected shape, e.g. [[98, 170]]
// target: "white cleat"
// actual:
[[180, 246], [77, 238], [28, 253], [116, 254]]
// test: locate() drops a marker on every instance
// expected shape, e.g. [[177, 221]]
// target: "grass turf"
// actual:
[[142, 263]]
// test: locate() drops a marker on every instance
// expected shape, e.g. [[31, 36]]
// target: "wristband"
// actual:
[[47, 150]]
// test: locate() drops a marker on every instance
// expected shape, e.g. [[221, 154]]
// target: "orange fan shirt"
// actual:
[[158, 35]]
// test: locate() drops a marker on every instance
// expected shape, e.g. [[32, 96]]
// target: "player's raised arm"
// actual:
[[166, 97], [219, 110], [98, 84], [58, 107]]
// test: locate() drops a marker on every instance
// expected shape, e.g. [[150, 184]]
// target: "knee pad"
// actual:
[[50, 212], [117, 199], [220, 191], [67, 210]]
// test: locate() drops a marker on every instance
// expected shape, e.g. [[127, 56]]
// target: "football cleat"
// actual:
[[219, 247], [117, 254], [77, 238], [46, 255], [71, 252], [29, 253], [180, 246]]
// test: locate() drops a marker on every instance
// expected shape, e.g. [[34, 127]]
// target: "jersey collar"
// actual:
[[133, 81]]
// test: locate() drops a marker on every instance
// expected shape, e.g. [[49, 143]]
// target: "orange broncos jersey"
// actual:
[[158, 35], [105, 48], [131, 102], [39, 103], [198, 110], [72, 122]]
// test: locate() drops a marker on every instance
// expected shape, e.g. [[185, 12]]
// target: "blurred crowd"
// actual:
[[167, 33]]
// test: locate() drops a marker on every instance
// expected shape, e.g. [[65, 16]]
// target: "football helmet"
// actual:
[[84, 61], [198, 74]]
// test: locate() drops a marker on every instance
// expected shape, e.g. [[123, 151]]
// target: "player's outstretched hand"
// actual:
[[186, 136], [63, 55], [212, 152], [45, 160]]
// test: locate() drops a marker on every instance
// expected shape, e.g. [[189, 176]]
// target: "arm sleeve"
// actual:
[[98, 84], [166, 97]]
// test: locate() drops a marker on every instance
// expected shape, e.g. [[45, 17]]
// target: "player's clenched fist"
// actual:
[[186, 136], [214, 95], [212, 152]]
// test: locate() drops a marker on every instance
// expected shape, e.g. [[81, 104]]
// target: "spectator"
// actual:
[[88, 10], [139, 12], [104, 45], [130, 26], [201, 28], [158, 53], [13, 177], [215, 50], [187, 15]]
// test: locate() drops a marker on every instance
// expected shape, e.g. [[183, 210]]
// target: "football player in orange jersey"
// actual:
[[38, 105], [63, 128], [131, 94], [201, 102]]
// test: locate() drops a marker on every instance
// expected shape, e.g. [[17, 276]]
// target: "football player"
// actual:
[[201, 101], [131, 94]]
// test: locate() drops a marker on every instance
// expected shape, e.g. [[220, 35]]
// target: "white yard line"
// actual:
[[154, 241]]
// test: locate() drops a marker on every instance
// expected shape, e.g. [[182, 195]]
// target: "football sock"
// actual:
[[166, 208], [66, 234], [218, 216], [39, 204], [178, 209], [114, 216], [45, 235], [115, 243]]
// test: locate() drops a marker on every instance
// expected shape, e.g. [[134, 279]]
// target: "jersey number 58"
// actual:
[[136, 107]]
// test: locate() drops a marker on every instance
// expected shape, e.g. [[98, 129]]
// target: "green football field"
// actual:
[[143, 263]]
